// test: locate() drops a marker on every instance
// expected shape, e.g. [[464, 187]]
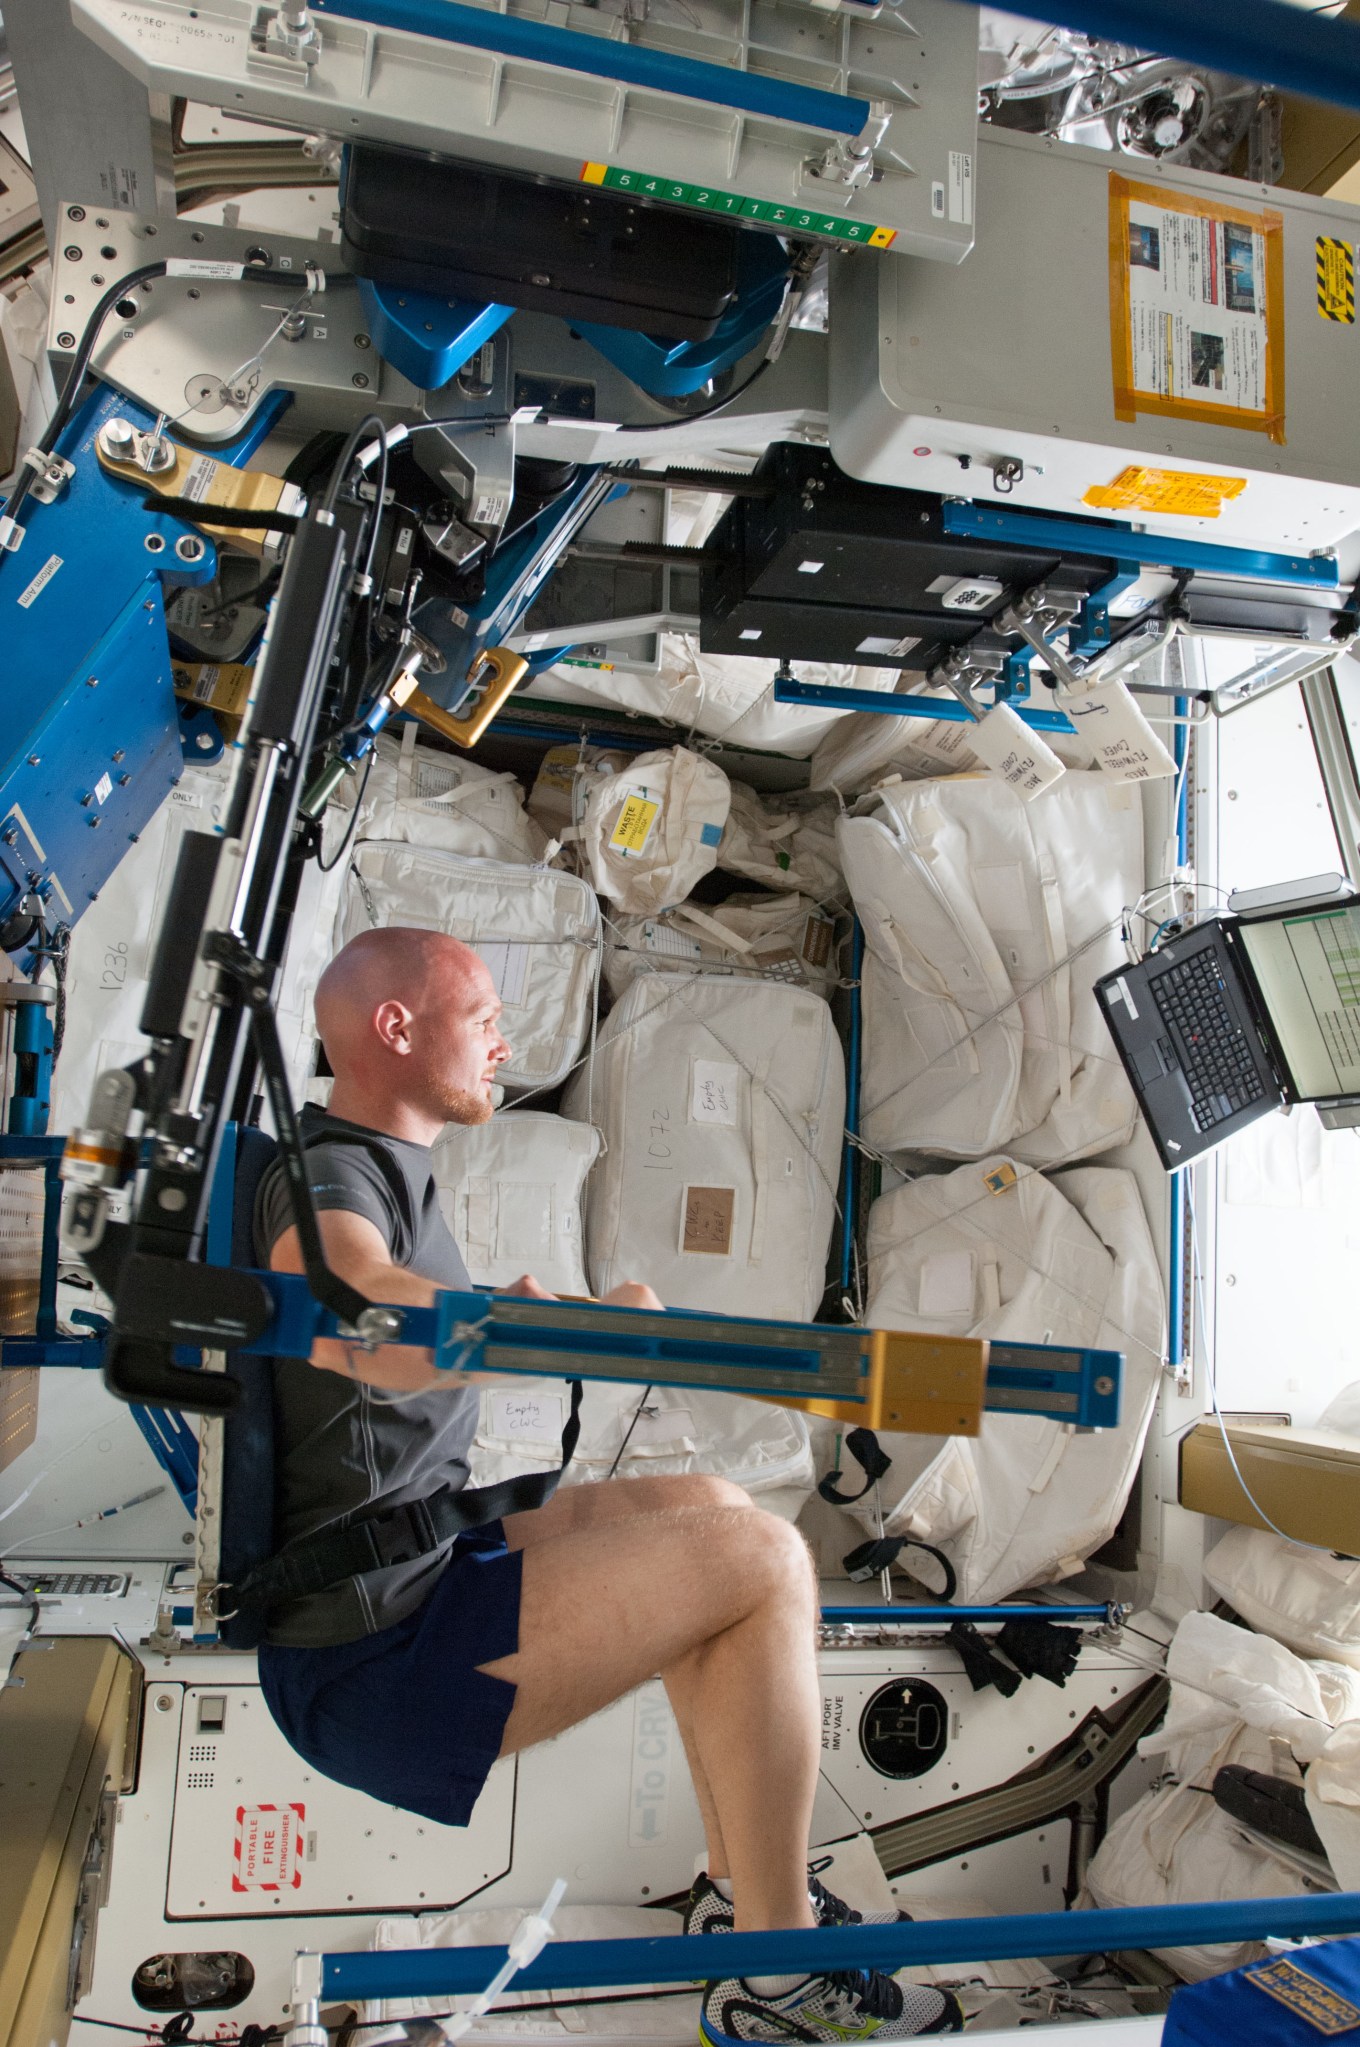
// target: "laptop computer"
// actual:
[[1239, 1016]]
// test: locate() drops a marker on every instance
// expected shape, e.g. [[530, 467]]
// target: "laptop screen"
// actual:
[[1308, 969]]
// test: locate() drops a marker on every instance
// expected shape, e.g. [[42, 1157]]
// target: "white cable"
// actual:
[[69, 1451], [1197, 1289], [527, 1942]]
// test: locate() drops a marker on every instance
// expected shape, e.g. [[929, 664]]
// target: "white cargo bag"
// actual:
[[756, 1445], [1236, 1698], [1064, 1261], [868, 749], [538, 932], [722, 1104], [1307, 1599], [511, 1192], [986, 921], [769, 937], [783, 845], [649, 832], [718, 696], [113, 943], [441, 801]]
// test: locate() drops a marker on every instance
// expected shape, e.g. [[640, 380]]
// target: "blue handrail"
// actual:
[[596, 1964], [512, 35]]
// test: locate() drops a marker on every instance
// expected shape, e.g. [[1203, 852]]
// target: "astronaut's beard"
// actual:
[[466, 1106]]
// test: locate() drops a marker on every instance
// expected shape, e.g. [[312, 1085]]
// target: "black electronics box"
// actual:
[[458, 231], [826, 568]]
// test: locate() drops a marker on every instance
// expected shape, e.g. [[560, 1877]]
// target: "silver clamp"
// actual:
[[285, 36], [51, 474], [849, 160], [1034, 616]]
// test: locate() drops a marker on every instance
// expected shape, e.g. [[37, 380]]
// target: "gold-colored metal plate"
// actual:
[[212, 483], [926, 1385], [507, 672]]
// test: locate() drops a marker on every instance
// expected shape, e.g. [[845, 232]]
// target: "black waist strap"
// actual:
[[398, 1535]]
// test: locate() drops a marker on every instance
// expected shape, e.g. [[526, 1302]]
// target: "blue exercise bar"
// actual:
[[509, 35], [671, 1958], [1260, 39], [912, 1616], [1114, 537], [950, 709]]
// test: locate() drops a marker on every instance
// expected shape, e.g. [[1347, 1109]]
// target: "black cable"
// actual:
[[256, 272], [706, 411], [243, 597], [29, 1598], [369, 427], [84, 350], [329, 866], [379, 494], [637, 1417], [209, 514]]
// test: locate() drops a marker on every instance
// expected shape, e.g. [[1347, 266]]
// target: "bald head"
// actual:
[[408, 1020]]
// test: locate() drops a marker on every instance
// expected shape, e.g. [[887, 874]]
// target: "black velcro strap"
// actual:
[[1041, 1649], [881, 1552], [980, 1661], [867, 1452], [401, 1535]]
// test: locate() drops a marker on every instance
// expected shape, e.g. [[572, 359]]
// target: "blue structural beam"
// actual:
[[969, 521], [596, 1964], [1259, 39], [950, 709], [510, 35]]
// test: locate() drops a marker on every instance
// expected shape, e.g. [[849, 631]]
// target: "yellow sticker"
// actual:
[[1321, 2007], [634, 827], [1165, 490], [1000, 1178], [1336, 280]]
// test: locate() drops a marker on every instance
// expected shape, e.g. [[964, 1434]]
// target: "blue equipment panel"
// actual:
[[89, 730]]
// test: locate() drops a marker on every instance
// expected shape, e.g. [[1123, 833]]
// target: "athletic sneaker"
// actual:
[[858, 2004], [706, 1910]]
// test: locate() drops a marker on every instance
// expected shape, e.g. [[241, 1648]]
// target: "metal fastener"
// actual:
[[362, 341], [65, 340], [72, 253], [164, 1703], [360, 379], [75, 213]]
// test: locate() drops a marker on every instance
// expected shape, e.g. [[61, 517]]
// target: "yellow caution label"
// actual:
[[634, 826], [1336, 280], [1000, 1179], [1190, 495]]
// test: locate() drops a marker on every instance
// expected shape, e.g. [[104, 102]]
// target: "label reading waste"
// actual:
[[634, 827]]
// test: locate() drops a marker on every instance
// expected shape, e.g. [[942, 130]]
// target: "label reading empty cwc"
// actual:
[[796, 219]]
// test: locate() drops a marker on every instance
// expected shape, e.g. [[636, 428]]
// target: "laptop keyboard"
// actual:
[[1215, 1053]]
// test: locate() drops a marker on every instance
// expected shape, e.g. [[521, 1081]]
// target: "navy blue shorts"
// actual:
[[406, 1715]]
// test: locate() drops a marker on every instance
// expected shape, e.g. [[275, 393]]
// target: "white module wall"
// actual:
[[1010, 356]]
